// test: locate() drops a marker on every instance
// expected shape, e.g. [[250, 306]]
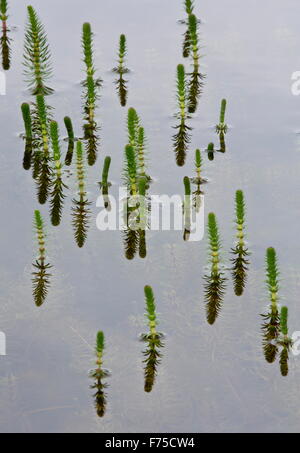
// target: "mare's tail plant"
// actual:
[[121, 68], [71, 140], [196, 78], [215, 281], [181, 139], [187, 208], [98, 375], [271, 325], [105, 184], [80, 208], [57, 195], [198, 181], [222, 126], [211, 151], [37, 55], [285, 342], [91, 95], [154, 341], [25, 108], [240, 252], [130, 172], [40, 275], [42, 154], [4, 40]]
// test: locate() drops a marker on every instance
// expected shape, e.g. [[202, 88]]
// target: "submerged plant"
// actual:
[[198, 181], [240, 252], [37, 55], [25, 108], [57, 195], [271, 325], [211, 151], [42, 154], [285, 342], [98, 375], [71, 140], [187, 208], [80, 209], [196, 78], [40, 275], [105, 184], [222, 126], [215, 281], [181, 139], [91, 95], [154, 341], [5, 40]]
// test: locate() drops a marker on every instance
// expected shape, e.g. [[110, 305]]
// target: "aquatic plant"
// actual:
[[181, 139], [98, 375], [40, 275], [121, 68], [240, 252], [285, 341], [195, 84], [80, 210], [105, 184], [91, 95], [37, 55], [222, 126], [189, 6], [5, 40], [130, 172], [154, 341], [132, 127], [222, 143], [211, 151], [271, 325], [42, 157], [187, 207], [122, 89], [141, 146], [71, 140], [215, 281], [26, 114], [58, 186]]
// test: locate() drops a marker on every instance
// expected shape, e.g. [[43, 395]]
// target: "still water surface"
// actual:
[[212, 378]]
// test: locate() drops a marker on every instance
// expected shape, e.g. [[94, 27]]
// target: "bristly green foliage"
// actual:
[[283, 320], [131, 243], [121, 68], [187, 186], [153, 339], [4, 39], [271, 325], [91, 95], [195, 84], [189, 6], [98, 375], [240, 252], [80, 210], [181, 139], [25, 108], [41, 128], [187, 208], [37, 55], [215, 281], [151, 309], [132, 126], [131, 169], [57, 195], [222, 126], [285, 342], [40, 275], [71, 139], [122, 89], [100, 344], [3, 9]]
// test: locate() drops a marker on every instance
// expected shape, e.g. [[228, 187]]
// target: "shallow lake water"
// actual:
[[211, 378]]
